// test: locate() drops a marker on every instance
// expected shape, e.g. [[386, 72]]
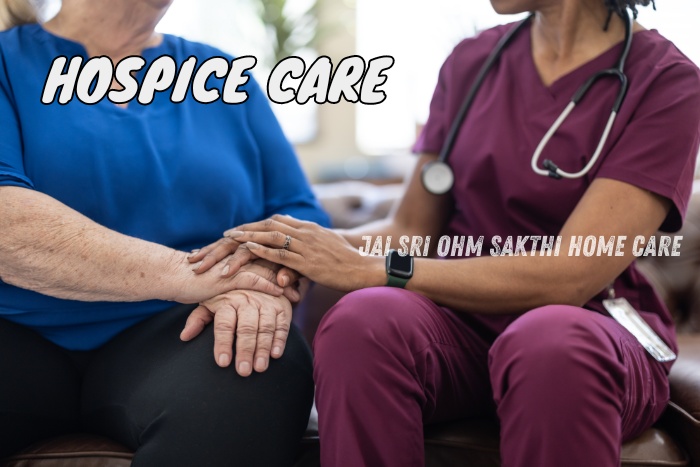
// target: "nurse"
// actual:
[[524, 338]]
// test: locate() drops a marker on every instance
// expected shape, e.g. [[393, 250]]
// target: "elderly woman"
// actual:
[[526, 337], [98, 205]]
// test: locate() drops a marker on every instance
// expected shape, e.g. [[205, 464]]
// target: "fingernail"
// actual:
[[296, 295], [234, 233], [197, 266], [224, 359], [284, 281], [252, 245], [195, 251], [225, 270], [260, 364], [244, 368], [277, 351]]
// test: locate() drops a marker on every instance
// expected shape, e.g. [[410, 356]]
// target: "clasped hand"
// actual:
[[257, 320]]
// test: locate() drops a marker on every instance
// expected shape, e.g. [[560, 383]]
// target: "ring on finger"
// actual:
[[287, 242]]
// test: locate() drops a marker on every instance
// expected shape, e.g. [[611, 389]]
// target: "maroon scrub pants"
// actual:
[[569, 385]]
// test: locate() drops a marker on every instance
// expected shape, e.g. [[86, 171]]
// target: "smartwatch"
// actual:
[[399, 269]]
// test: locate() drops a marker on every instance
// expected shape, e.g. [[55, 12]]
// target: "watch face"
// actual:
[[400, 266]]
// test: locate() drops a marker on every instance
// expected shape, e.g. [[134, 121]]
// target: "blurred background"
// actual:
[[354, 141]]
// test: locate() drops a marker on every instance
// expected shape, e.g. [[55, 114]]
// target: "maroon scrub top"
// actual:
[[653, 145]]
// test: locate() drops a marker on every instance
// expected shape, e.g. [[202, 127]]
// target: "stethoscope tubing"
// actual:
[[550, 168], [446, 149]]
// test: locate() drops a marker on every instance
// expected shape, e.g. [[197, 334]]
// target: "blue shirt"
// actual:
[[174, 174]]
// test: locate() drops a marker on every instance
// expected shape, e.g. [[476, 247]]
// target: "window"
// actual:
[[234, 26]]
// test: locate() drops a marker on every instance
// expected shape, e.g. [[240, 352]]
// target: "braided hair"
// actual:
[[618, 6]]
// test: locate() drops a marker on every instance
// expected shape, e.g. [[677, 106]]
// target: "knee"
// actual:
[[280, 397], [288, 379], [369, 328], [559, 341], [297, 358], [365, 316], [215, 393], [218, 416]]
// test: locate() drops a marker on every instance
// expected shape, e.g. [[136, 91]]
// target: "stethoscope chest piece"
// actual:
[[437, 177]]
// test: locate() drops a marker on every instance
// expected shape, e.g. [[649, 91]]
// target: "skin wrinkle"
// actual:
[[58, 239], [101, 29], [562, 38], [62, 260]]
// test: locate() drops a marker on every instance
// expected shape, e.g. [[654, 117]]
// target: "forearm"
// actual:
[[496, 285], [609, 210], [52, 249], [510, 284]]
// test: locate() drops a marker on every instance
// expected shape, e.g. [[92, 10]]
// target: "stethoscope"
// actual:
[[438, 177]]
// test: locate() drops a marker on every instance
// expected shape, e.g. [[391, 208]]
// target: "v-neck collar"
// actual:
[[565, 86], [147, 53], [78, 49]]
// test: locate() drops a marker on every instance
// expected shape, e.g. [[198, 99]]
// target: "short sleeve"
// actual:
[[435, 130], [461, 66], [287, 190], [658, 148], [11, 159]]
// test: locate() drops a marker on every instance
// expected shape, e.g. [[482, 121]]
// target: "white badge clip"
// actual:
[[621, 310]]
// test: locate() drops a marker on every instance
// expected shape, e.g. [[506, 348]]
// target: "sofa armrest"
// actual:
[[354, 203], [685, 375], [682, 416]]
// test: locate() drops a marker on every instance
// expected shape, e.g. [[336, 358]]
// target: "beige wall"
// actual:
[[335, 140]]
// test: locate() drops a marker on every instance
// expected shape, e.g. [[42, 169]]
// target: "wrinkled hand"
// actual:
[[259, 324], [257, 277], [320, 254], [209, 256]]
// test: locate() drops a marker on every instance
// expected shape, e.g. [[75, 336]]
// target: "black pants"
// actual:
[[165, 399]]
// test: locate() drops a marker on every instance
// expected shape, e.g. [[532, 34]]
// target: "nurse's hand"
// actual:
[[259, 324], [320, 254], [206, 258]]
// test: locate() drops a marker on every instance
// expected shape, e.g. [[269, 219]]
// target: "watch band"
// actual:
[[395, 281]]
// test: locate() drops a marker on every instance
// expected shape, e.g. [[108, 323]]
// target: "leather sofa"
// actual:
[[673, 441]]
